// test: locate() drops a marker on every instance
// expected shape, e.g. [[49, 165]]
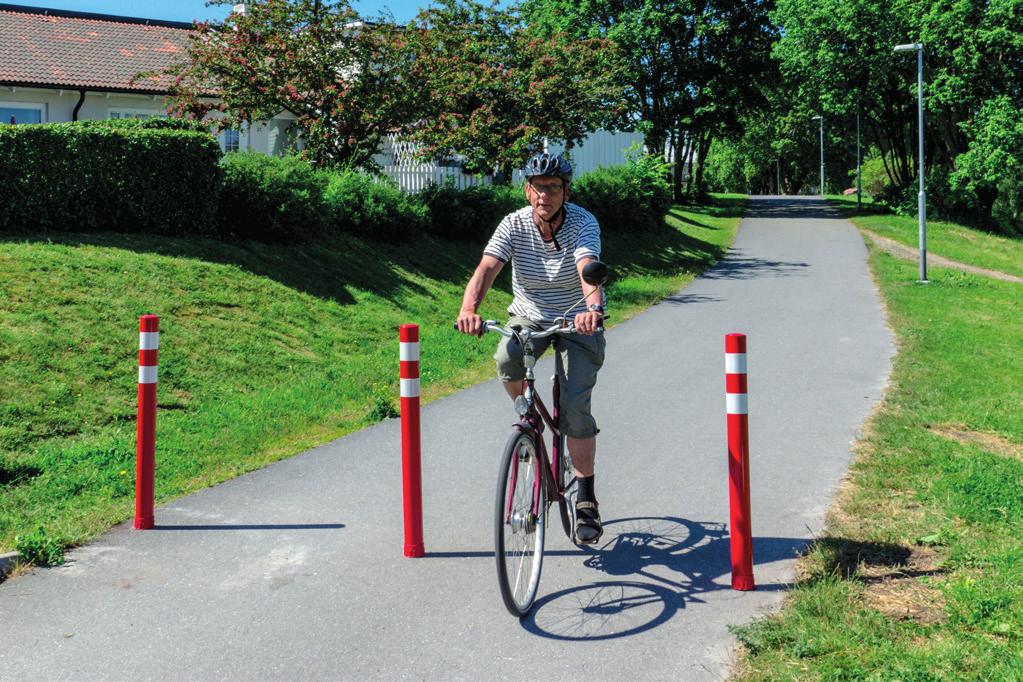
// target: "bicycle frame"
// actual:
[[534, 420]]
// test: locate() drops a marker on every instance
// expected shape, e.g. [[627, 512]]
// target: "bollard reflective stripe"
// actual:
[[410, 388]]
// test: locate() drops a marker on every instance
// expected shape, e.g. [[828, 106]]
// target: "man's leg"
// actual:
[[583, 451]]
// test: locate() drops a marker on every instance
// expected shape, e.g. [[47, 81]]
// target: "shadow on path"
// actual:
[[738, 267], [255, 526], [791, 208], [655, 566]]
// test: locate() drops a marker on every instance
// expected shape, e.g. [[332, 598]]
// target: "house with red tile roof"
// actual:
[[58, 65]]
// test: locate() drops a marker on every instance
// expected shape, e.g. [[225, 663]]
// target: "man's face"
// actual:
[[546, 195]]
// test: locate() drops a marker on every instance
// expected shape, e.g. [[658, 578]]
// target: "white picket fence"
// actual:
[[417, 178]]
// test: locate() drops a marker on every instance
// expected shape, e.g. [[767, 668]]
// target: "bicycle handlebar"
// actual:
[[527, 334]]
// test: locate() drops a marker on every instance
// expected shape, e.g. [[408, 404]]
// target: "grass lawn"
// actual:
[[920, 573], [265, 351], [955, 242]]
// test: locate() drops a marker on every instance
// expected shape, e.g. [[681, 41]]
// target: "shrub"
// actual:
[[88, 176], [873, 176], [1007, 210], [630, 197], [372, 207], [271, 198], [470, 214], [39, 548]]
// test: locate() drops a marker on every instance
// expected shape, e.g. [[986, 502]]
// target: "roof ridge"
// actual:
[[94, 16]]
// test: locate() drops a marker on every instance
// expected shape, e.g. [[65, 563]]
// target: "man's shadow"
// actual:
[[656, 566]]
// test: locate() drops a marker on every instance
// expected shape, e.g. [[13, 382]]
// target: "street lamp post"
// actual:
[[858, 183], [821, 119], [921, 197], [777, 166]]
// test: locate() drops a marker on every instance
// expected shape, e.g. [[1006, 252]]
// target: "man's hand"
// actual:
[[588, 323], [469, 323]]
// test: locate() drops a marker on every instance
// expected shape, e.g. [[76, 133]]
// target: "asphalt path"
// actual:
[[296, 571]]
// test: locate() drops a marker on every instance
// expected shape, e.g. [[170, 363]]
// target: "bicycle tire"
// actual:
[[519, 538]]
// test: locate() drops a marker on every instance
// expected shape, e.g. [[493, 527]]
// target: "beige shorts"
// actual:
[[580, 357]]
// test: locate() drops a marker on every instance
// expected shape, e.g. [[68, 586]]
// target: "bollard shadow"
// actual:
[[251, 526], [656, 566]]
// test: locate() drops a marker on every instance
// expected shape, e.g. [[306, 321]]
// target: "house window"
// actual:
[[21, 112], [136, 113], [230, 140]]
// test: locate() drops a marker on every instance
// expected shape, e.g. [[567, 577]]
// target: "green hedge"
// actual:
[[166, 176], [470, 214], [271, 198], [373, 207], [120, 176], [632, 197]]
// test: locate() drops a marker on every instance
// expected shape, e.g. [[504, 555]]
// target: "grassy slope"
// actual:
[[265, 351], [920, 574], [950, 240]]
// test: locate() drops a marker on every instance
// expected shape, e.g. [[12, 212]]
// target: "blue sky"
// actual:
[[187, 10]]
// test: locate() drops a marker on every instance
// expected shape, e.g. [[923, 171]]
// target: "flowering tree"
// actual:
[[490, 90], [312, 58]]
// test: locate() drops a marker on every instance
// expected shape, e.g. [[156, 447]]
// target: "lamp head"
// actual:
[[910, 47]]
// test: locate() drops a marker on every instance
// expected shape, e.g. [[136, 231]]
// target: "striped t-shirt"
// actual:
[[545, 282]]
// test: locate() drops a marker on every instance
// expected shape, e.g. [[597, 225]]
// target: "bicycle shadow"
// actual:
[[663, 564]]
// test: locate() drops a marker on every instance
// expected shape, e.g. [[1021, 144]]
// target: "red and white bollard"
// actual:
[[737, 409], [411, 470], [145, 448]]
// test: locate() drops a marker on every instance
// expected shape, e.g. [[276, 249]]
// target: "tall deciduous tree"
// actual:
[[838, 54], [693, 65], [490, 91], [313, 58]]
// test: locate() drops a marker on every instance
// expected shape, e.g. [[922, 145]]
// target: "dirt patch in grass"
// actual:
[[907, 253], [903, 591], [988, 441]]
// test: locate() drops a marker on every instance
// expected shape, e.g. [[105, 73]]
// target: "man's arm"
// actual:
[[588, 322], [479, 284]]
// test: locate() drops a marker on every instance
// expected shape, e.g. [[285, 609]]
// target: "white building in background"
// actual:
[[58, 65]]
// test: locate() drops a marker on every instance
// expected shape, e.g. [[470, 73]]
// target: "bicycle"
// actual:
[[530, 478]]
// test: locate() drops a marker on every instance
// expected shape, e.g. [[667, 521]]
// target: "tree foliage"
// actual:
[[314, 59], [837, 56], [492, 92], [692, 66]]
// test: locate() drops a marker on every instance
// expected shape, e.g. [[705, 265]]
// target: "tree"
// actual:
[[313, 58], [838, 55], [692, 65], [488, 90]]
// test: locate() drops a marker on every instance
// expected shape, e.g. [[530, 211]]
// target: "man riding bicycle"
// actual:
[[548, 243]]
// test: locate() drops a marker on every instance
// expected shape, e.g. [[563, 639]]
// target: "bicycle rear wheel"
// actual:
[[518, 533]]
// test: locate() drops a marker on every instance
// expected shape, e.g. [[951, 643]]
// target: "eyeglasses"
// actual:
[[547, 188]]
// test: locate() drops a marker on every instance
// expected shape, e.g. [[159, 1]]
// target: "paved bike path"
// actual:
[[296, 572]]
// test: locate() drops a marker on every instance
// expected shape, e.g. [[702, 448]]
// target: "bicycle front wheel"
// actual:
[[518, 532]]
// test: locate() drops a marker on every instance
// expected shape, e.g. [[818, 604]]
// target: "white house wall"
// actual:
[[600, 150]]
